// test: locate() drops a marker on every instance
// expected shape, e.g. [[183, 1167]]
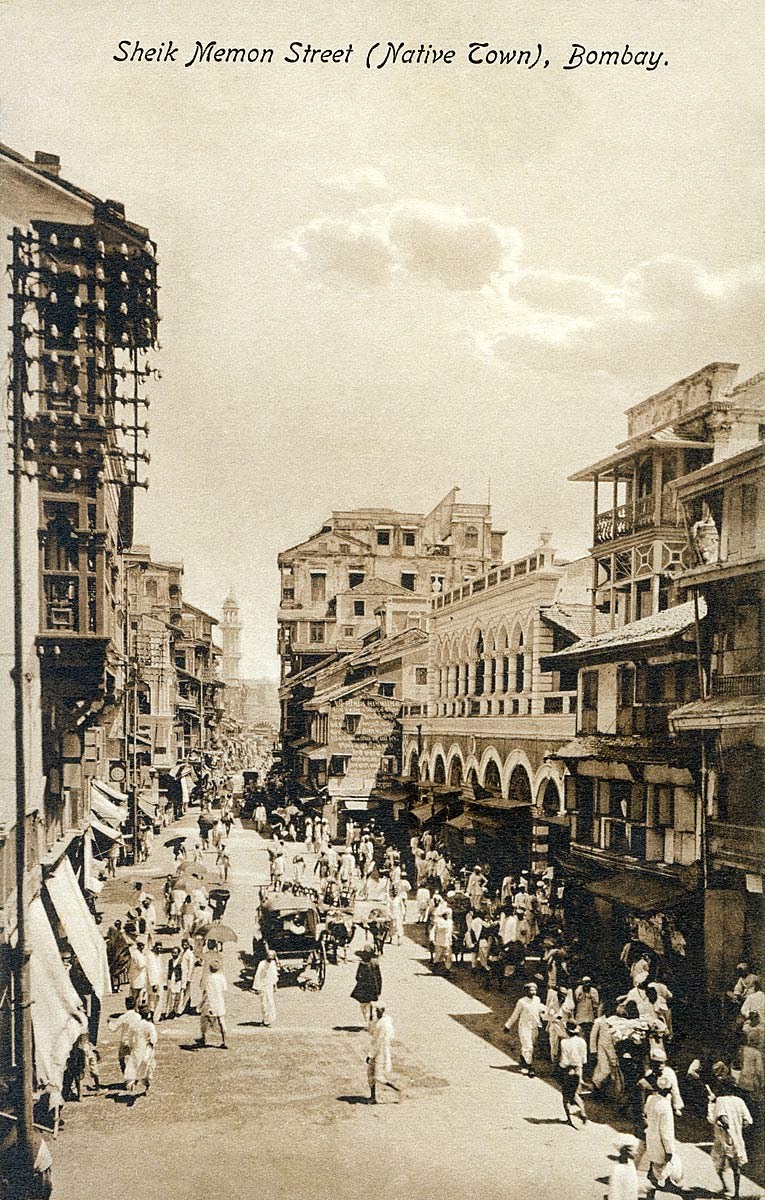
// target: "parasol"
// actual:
[[178, 840], [219, 933]]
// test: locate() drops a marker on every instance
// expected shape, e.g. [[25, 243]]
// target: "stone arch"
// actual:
[[517, 640], [490, 755], [412, 762], [519, 785], [455, 751], [454, 771], [516, 758], [425, 767], [549, 797], [471, 770], [438, 764]]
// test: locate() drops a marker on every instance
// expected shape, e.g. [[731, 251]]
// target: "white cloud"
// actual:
[[665, 316], [419, 241]]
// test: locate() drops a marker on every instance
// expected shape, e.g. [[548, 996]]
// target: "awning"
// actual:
[[719, 712], [317, 755], [640, 893], [461, 822], [107, 831], [80, 928], [425, 812], [497, 804], [57, 1015], [110, 791], [107, 812], [148, 808], [630, 748], [392, 795]]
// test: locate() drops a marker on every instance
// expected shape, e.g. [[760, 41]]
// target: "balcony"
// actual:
[[625, 520], [741, 846], [752, 684]]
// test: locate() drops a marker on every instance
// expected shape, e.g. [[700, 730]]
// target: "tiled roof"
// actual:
[[606, 747], [658, 627], [380, 587], [575, 619]]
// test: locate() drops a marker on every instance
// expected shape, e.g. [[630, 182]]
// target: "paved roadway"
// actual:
[[282, 1115]]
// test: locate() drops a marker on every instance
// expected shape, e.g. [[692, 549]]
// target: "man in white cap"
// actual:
[[665, 1164], [527, 1014]]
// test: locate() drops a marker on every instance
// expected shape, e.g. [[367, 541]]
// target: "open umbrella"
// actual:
[[178, 840], [188, 883], [219, 933]]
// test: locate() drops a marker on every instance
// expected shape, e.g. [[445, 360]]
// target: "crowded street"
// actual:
[[286, 1110]]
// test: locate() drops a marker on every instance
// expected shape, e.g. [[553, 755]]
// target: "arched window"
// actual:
[[439, 771], [455, 772], [480, 666], [414, 765], [550, 799], [491, 778], [471, 536]]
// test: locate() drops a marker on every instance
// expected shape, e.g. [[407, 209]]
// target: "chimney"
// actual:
[[49, 163]]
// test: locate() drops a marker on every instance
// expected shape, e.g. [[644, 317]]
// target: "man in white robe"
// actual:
[[264, 983]]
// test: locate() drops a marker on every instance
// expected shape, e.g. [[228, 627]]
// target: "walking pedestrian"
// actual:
[[379, 1064], [113, 858], [265, 983], [188, 960], [527, 1014], [586, 1006], [623, 1181], [174, 990], [729, 1116], [223, 862], [154, 978], [146, 1051], [572, 1062], [213, 1007], [443, 934], [137, 973], [117, 954], [368, 986], [127, 1027], [398, 916], [665, 1163]]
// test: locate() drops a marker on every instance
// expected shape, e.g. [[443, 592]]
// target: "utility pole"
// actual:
[[22, 998]]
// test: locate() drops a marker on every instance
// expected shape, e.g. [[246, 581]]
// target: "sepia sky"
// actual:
[[378, 284]]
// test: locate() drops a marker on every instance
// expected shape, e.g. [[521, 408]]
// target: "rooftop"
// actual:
[[657, 628]]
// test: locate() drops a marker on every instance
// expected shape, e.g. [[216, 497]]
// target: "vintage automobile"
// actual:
[[293, 927]]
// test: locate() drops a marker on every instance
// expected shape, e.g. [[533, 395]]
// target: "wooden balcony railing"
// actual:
[[752, 684], [624, 520]]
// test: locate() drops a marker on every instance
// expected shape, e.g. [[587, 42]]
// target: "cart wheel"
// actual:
[[322, 964]]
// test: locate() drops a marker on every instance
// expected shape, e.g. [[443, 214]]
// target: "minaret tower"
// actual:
[[231, 630]]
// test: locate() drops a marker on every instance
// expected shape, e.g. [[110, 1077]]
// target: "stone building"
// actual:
[[637, 796], [78, 325], [724, 507], [639, 543], [329, 582], [493, 714], [200, 704], [343, 733]]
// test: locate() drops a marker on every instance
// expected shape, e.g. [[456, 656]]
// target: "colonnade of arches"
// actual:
[[513, 779], [488, 668]]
